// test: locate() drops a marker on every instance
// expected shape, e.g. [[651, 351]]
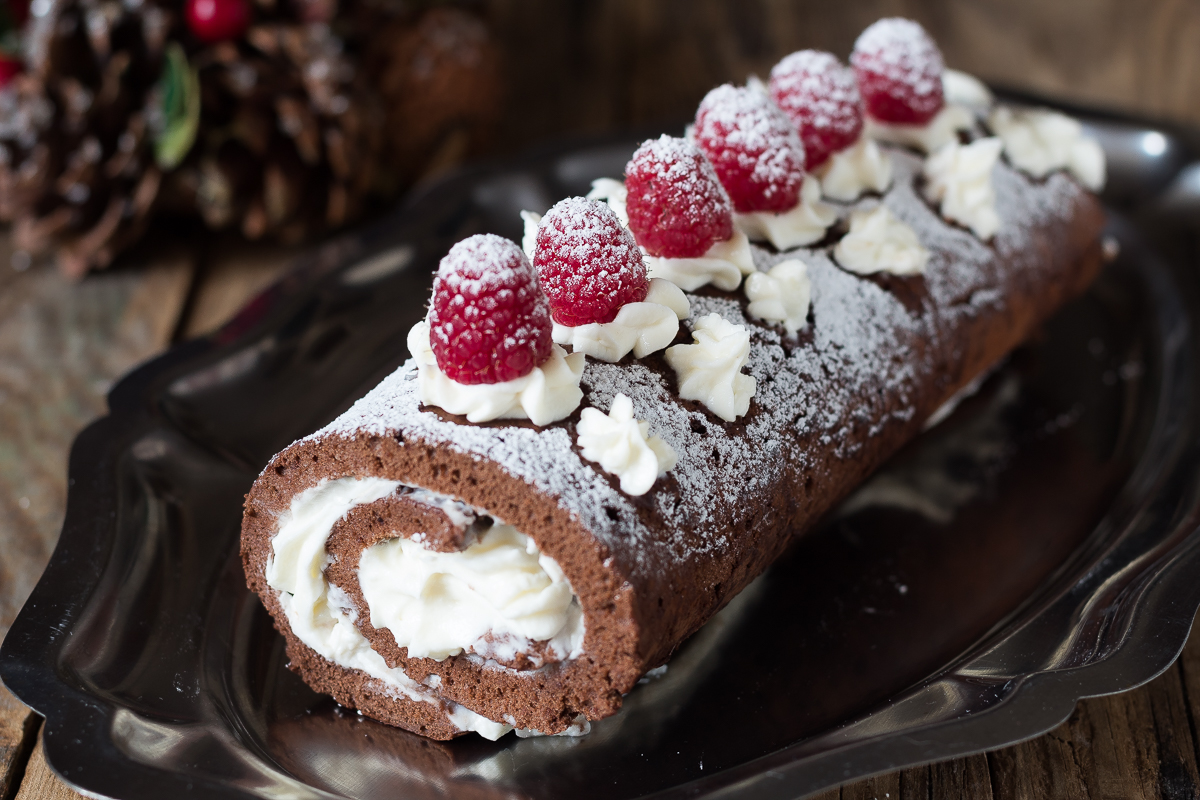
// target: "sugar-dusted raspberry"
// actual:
[[754, 148], [489, 322], [899, 71], [588, 263], [676, 206], [821, 98]]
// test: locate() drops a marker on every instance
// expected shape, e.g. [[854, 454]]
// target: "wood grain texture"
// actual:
[[1113, 739], [1136, 745], [234, 271], [42, 784], [963, 777], [915, 783], [592, 66], [17, 727], [1044, 767], [1176, 767], [61, 347]]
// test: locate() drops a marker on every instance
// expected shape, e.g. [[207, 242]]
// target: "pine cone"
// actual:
[[290, 140], [77, 171], [287, 131]]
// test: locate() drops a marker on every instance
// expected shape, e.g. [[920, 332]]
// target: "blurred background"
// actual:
[[283, 120], [592, 65]]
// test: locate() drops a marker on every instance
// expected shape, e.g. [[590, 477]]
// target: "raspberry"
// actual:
[[754, 148], [899, 71], [489, 321], [217, 20], [821, 98], [587, 262], [676, 206]]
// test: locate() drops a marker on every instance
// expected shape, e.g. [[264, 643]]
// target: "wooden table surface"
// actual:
[[62, 345]]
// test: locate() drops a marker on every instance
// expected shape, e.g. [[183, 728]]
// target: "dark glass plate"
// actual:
[[1036, 547]]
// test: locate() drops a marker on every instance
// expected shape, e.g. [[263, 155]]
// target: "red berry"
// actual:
[[218, 20], [821, 98], [9, 69], [587, 262], [899, 71], [676, 205], [489, 322], [754, 148]]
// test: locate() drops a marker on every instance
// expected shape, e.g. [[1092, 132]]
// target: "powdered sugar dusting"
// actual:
[[753, 146], [542, 457], [587, 224], [864, 364], [483, 263], [904, 49], [676, 205], [588, 263], [822, 100], [488, 321], [899, 71]]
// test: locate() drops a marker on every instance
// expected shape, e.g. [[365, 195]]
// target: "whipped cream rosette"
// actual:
[[962, 89], [1039, 141], [959, 178], [710, 369], [781, 295], [623, 446], [929, 137], [878, 241]]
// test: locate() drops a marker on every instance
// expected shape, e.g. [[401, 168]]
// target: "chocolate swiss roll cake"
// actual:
[[604, 437]]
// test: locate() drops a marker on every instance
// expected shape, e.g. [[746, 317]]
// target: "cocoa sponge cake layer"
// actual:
[[617, 582]]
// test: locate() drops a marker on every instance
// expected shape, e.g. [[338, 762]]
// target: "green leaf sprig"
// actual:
[[179, 93]]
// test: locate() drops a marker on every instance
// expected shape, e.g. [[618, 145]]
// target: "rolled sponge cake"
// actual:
[[630, 578]]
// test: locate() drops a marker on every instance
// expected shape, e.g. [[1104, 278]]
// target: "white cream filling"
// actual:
[[644, 327], [548, 393], [1038, 141], [722, 265], [878, 241], [959, 177], [320, 615], [861, 167], [494, 598], [710, 371], [622, 445], [781, 294], [803, 224], [962, 89], [936, 133]]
